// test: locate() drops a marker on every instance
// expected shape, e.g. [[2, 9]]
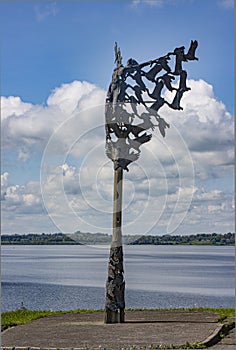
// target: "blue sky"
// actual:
[[48, 45]]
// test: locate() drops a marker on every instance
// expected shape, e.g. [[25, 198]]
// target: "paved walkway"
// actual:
[[141, 329]]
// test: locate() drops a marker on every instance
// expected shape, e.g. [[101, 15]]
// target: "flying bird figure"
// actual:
[[158, 104], [162, 125], [138, 78], [138, 141], [179, 53], [150, 75], [182, 81], [138, 93], [190, 55], [176, 101], [167, 81], [127, 98]]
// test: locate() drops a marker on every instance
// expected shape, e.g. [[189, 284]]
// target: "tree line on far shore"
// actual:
[[31, 238], [78, 238], [198, 239]]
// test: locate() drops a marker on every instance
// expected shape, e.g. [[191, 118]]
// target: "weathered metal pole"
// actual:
[[115, 286]]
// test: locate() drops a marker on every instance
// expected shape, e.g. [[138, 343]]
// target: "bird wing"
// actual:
[[142, 139], [162, 126]]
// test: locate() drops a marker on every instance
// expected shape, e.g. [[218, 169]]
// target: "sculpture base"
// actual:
[[117, 316], [115, 288]]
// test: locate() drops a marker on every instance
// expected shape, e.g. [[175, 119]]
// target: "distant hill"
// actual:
[[199, 239], [100, 238], [79, 238], [37, 239], [90, 238]]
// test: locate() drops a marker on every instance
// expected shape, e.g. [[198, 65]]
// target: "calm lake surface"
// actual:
[[74, 277]]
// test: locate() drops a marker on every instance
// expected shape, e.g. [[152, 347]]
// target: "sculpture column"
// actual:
[[115, 286], [125, 136]]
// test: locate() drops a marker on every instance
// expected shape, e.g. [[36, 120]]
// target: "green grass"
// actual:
[[223, 312], [14, 318], [17, 317]]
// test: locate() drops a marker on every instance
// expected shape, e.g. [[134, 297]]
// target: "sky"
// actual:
[[57, 59]]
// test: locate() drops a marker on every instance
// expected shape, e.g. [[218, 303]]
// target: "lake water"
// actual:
[[74, 277]]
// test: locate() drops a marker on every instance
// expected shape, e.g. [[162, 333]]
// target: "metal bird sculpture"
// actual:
[[134, 100], [191, 51], [137, 91]]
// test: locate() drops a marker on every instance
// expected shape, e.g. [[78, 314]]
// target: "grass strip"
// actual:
[[18, 317], [224, 313]]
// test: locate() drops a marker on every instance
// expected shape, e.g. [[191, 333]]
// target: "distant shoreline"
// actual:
[[79, 238]]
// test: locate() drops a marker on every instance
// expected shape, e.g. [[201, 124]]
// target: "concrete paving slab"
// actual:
[[88, 331]]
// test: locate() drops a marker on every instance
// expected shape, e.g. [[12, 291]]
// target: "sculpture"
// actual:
[[119, 122], [134, 98]]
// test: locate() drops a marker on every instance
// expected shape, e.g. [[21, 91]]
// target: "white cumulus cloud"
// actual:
[[161, 189], [26, 126]]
